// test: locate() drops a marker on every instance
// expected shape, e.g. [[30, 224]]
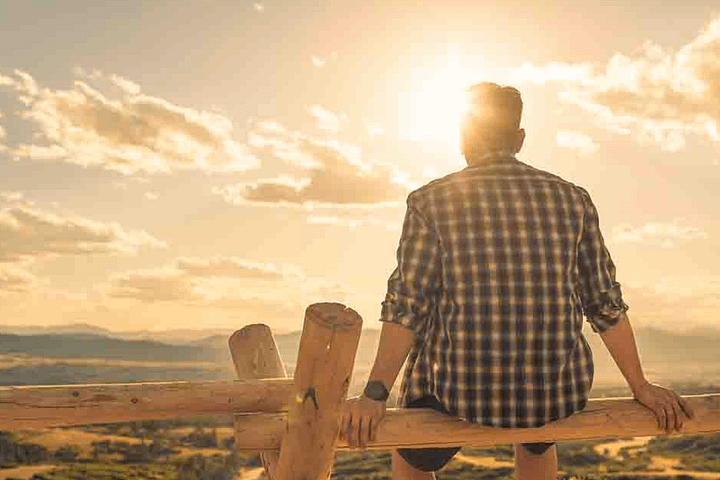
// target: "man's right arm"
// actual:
[[667, 405], [606, 311], [620, 342]]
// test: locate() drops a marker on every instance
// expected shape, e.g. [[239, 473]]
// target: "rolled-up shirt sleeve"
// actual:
[[600, 294], [413, 285]]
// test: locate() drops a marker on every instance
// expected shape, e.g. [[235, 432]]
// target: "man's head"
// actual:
[[492, 120]]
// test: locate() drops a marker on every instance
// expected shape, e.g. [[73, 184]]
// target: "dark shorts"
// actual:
[[433, 459]]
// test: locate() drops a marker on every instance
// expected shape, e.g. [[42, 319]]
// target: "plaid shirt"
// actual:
[[496, 265]]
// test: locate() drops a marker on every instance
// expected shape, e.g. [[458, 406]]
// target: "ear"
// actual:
[[519, 140]]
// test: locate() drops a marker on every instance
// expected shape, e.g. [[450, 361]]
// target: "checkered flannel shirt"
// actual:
[[496, 265]]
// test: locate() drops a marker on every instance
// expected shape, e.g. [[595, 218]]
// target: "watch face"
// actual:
[[376, 391]]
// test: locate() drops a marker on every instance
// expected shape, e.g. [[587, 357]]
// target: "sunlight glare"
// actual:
[[432, 110]]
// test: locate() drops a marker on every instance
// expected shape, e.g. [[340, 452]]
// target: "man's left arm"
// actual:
[[409, 302]]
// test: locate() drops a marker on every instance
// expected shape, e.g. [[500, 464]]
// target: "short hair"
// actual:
[[495, 105], [493, 114]]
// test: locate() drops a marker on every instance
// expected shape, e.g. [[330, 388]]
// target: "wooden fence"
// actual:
[[295, 423]]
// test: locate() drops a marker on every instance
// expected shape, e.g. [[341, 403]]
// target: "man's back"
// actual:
[[514, 253]]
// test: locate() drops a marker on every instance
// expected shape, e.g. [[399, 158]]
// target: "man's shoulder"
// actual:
[[524, 172]]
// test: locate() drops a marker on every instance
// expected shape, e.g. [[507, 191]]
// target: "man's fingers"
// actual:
[[685, 406], [348, 427], [678, 417], [342, 424], [367, 431], [358, 437], [670, 417], [661, 416], [375, 424], [364, 431]]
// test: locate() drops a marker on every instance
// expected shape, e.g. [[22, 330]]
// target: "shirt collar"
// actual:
[[493, 157]]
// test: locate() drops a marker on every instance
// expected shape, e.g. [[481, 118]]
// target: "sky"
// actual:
[[208, 164]]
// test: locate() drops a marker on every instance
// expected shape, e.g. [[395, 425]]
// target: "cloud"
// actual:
[[576, 140], [11, 196], [259, 7], [325, 119], [15, 279], [550, 72], [29, 233], [153, 286], [353, 222], [662, 301], [318, 62], [375, 130], [127, 86], [138, 133], [236, 267], [662, 234], [334, 174], [151, 195], [263, 291], [662, 96]]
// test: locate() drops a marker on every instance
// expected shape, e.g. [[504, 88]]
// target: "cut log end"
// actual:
[[333, 315], [253, 330]]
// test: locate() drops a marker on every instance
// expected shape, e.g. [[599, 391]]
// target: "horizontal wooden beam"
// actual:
[[601, 418], [67, 405]]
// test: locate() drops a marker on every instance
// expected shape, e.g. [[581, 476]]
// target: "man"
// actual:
[[497, 264]]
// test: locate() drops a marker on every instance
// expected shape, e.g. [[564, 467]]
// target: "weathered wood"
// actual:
[[67, 405], [328, 344], [256, 356], [601, 418], [255, 353]]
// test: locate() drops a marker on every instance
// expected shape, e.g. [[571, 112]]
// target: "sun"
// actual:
[[432, 109]]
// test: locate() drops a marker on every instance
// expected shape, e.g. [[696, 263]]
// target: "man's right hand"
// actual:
[[667, 405]]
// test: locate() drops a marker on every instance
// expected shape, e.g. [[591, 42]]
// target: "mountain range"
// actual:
[[204, 354]]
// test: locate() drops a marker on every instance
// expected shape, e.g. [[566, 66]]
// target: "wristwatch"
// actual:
[[376, 390]]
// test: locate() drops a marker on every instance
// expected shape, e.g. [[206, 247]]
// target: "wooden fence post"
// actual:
[[329, 341], [256, 356]]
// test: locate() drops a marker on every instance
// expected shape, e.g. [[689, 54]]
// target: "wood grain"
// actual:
[[601, 418], [329, 341], [256, 356], [67, 405]]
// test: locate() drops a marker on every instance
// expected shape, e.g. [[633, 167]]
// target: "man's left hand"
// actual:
[[361, 417]]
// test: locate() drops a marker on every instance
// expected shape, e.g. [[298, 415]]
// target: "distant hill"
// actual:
[[664, 355], [86, 345]]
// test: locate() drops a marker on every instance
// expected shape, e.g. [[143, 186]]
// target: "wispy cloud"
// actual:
[[153, 286], [318, 62], [336, 174], [675, 302], [131, 88], [15, 279], [662, 234], [136, 133], [353, 222], [550, 72], [11, 196], [660, 95], [375, 130], [237, 268], [29, 233], [266, 291], [151, 195], [259, 7], [576, 141], [327, 120]]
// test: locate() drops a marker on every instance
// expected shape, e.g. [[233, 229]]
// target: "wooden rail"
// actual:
[[601, 418], [68, 405], [295, 422]]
